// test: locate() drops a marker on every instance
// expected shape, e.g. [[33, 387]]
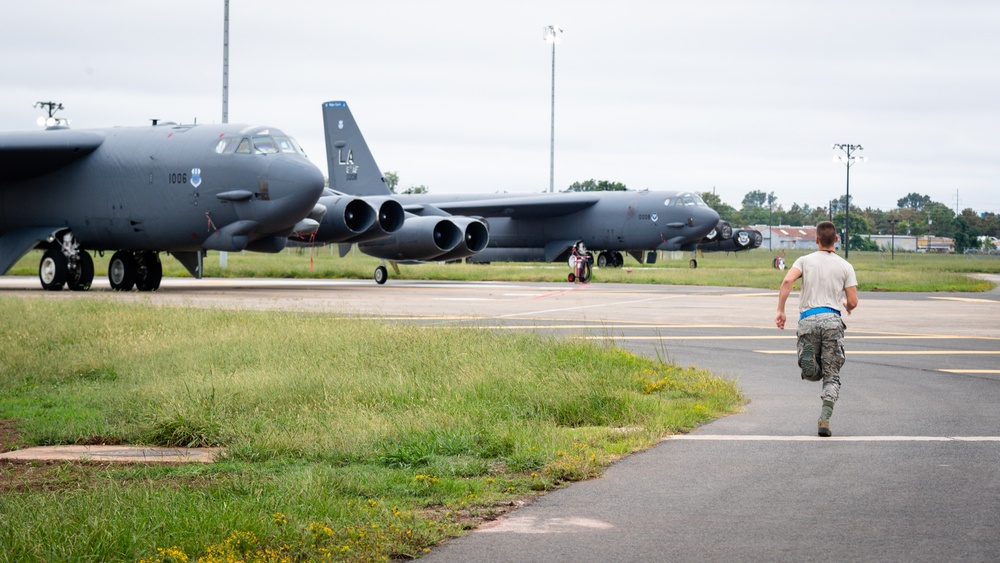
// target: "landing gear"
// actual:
[[693, 263], [82, 275], [149, 274], [381, 275], [122, 271], [53, 270], [141, 270], [66, 265], [610, 260]]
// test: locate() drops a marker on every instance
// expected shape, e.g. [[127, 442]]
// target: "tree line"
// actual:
[[915, 214]]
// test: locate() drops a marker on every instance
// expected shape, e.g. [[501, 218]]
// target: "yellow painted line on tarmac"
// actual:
[[901, 352], [971, 370]]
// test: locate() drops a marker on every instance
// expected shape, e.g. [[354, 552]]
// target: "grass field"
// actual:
[[876, 271], [345, 439]]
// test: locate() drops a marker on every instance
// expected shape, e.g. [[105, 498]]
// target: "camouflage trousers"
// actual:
[[824, 333]]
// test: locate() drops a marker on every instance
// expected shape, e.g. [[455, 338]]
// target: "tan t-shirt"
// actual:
[[825, 276]]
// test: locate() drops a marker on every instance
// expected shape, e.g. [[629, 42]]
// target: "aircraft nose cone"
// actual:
[[299, 174], [706, 220], [294, 187]]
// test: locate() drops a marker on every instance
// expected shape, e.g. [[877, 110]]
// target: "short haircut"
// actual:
[[826, 232]]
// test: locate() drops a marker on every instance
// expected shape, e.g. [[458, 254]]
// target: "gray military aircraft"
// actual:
[[139, 191], [536, 227]]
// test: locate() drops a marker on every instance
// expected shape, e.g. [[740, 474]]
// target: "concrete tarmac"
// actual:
[[911, 474]]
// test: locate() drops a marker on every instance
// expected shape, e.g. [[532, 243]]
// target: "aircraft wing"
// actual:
[[15, 244], [515, 207], [37, 153]]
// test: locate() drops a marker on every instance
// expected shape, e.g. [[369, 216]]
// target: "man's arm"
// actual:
[[850, 301], [786, 289]]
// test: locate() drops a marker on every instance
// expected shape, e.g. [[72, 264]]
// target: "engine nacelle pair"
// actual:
[[351, 219], [432, 238], [721, 232], [742, 239]]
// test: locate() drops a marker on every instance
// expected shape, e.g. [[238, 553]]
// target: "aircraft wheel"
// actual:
[[619, 261], [81, 277], [122, 271], [150, 273], [381, 274], [693, 263], [602, 260], [53, 270]]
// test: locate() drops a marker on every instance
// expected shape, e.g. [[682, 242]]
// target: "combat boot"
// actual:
[[824, 429]]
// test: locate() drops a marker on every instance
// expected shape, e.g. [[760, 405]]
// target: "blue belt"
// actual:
[[817, 311]]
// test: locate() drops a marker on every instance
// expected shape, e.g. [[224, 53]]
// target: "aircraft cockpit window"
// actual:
[[226, 146], [244, 147], [287, 145], [264, 144], [689, 200]]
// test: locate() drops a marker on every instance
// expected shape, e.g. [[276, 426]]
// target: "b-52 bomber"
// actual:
[[140, 191], [535, 227]]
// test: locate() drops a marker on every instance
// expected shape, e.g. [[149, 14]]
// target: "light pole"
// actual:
[[892, 223], [223, 255], [849, 159], [552, 34]]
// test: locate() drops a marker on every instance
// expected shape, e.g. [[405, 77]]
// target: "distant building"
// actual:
[[788, 238], [935, 244], [901, 243], [784, 237]]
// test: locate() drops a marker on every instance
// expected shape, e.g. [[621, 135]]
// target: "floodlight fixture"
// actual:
[[552, 34]]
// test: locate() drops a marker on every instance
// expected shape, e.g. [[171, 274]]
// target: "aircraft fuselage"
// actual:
[[157, 188]]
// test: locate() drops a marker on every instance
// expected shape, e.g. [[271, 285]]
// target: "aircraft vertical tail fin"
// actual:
[[351, 166]]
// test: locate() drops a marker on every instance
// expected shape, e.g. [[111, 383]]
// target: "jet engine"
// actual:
[[345, 217], [721, 232], [742, 239], [389, 219], [476, 237], [420, 239]]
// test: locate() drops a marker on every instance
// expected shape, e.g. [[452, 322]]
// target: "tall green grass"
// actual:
[[354, 439], [877, 271]]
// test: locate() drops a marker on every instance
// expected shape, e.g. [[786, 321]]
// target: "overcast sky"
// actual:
[[731, 96]]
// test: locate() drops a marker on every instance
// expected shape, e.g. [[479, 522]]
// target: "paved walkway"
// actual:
[[114, 453]]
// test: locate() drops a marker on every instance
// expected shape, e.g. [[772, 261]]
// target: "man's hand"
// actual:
[[843, 303], [779, 320]]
